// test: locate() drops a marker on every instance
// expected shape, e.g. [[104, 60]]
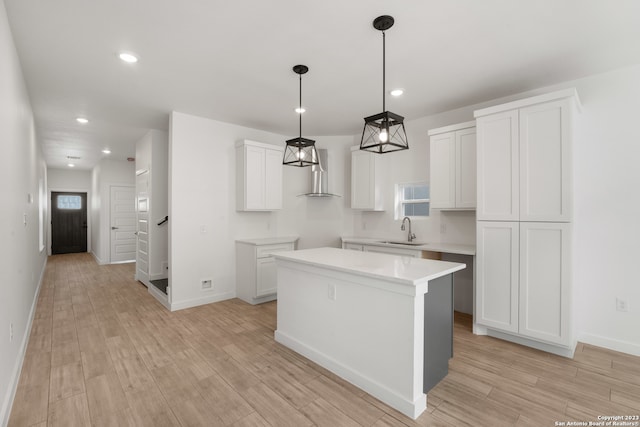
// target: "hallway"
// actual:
[[102, 351]]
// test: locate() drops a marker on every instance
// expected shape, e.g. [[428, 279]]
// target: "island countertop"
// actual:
[[393, 268]]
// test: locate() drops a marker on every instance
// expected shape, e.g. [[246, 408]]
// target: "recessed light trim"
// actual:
[[82, 120], [397, 92], [106, 151], [127, 57], [299, 110], [71, 165]]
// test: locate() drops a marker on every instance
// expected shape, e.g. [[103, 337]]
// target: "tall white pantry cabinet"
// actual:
[[524, 203]]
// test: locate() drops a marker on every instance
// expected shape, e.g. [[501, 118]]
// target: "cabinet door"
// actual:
[[254, 178], [443, 170], [497, 275], [544, 281], [362, 180], [273, 179], [498, 164], [267, 280], [545, 162], [466, 168]]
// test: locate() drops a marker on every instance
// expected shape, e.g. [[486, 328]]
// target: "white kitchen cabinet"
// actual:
[[256, 275], [258, 176], [352, 246], [453, 166], [497, 247], [524, 159], [367, 178], [523, 284], [544, 285], [393, 251]]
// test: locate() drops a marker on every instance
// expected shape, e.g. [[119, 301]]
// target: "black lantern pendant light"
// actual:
[[384, 132], [300, 151]]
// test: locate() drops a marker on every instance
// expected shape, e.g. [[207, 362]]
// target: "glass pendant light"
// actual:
[[384, 132], [300, 151]]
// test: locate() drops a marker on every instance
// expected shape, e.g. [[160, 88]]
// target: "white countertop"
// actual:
[[268, 240], [392, 268], [450, 248]]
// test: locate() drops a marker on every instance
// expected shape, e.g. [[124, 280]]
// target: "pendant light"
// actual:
[[384, 132], [300, 151]]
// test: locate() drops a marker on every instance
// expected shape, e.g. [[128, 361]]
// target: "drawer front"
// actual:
[[267, 250]]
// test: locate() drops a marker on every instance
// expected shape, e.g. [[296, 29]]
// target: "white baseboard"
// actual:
[[160, 296], [564, 351], [388, 396], [610, 343], [98, 260], [207, 299], [5, 411]]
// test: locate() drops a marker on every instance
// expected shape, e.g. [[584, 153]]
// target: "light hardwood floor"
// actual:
[[103, 352]]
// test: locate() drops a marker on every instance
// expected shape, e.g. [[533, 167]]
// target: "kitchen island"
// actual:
[[382, 322]]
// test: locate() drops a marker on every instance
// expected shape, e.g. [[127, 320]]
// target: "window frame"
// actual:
[[400, 201]]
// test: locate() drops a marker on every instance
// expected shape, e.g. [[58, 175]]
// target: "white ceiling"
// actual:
[[231, 61]]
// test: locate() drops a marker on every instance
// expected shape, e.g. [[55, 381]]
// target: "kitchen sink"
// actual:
[[404, 242]]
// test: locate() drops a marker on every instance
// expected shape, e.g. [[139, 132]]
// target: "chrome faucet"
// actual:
[[411, 236]]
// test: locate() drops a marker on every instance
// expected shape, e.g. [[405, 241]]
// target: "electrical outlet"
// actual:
[[207, 284], [443, 228], [332, 291], [10, 331], [621, 305]]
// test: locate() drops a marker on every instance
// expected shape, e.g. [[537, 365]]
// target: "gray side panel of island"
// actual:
[[438, 330]]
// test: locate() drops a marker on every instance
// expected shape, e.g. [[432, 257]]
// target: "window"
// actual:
[[412, 200], [69, 202]]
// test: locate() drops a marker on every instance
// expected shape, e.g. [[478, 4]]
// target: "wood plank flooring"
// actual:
[[103, 352]]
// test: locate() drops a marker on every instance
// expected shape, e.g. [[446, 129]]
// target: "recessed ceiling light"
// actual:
[[106, 151], [82, 120], [128, 57], [300, 110], [71, 165], [397, 92]]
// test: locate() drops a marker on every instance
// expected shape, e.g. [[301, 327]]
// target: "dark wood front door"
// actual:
[[68, 222]]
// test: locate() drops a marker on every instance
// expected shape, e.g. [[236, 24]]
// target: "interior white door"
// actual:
[[142, 219], [123, 224]]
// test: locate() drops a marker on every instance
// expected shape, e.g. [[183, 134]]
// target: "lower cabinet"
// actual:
[[382, 249], [523, 279], [256, 273]]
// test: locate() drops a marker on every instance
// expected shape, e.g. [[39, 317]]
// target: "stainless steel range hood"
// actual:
[[320, 177]]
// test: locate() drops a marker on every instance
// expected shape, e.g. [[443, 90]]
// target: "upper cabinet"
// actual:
[[258, 176], [453, 166], [524, 159], [366, 180]]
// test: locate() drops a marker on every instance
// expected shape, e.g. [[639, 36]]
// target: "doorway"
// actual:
[[123, 224], [68, 222]]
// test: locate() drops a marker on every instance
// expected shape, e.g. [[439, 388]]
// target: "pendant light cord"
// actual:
[[300, 106], [383, 72]]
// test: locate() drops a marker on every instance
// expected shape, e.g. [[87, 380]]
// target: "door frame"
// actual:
[[50, 190]]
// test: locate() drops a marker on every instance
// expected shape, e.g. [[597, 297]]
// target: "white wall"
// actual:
[[69, 179], [204, 223], [22, 174], [107, 173], [607, 209]]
